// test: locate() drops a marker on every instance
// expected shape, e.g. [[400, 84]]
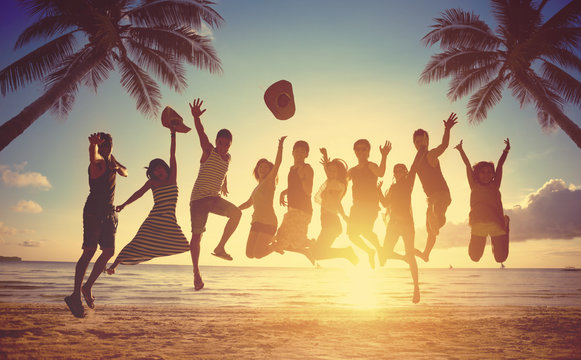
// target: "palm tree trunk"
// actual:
[[570, 128], [11, 129]]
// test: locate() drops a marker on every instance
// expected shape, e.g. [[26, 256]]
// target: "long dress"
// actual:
[[160, 234]]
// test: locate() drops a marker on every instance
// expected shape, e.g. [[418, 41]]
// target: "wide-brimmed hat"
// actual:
[[172, 120], [280, 100]]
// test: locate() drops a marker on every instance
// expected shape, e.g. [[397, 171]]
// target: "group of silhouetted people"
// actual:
[[160, 234]]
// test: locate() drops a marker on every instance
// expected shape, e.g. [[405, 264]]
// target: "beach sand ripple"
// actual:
[[169, 332]]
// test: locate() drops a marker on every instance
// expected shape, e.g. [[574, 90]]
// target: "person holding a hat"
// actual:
[[210, 184], [160, 234]]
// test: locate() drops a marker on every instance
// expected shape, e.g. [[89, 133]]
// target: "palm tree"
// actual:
[[526, 55], [132, 36]]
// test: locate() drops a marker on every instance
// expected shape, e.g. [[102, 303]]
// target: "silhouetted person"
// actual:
[[329, 196], [160, 234], [264, 222], [99, 219], [205, 198], [398, 202], [486, 213], [365, 197], [433, 182], [292, 233]]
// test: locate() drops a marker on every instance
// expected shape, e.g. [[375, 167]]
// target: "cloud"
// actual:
[[27, 206], [16, 177], [551, 212], [6, 231], [31, 243]]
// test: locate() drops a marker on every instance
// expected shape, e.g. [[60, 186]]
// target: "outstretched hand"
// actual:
[[118, 208], [281, 140], [452, 120], [507, 142], [459, 146], [196, 108], [95, 139], [385, 149], [325, 158]]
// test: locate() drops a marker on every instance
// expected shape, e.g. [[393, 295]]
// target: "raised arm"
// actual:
[[324, 159], [439, 150], [173, 165], [384, 150], [139, 193], [95, 159], [196, 109], [469, 172], [498, 175], [116, 165], [274, 171]]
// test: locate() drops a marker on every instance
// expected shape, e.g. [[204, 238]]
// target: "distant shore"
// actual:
[[415, 332], [10, 259]]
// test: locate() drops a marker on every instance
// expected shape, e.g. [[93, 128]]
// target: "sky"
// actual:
[[355, 70]]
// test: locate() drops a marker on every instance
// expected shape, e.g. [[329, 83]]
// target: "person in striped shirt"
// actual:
[[210, 184]]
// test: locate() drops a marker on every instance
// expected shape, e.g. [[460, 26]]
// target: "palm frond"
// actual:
[[457, 28], [516, 19], [44, 28], [98, 74], [170, 12], [181, 42], [540, 92], [140, 86], [565, 58], [36, 64], [41, 8], [484, 99], [464, 82], [63, 106], [566, 85], [67, 66], [569, 15], [453, 61], [165, 66]]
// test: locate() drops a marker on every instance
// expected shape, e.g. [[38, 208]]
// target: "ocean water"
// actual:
[[257, 287]]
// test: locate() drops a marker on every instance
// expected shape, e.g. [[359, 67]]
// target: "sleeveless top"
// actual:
[[485, 204], [297, 198], [102, 191], [210, 176], [262, 200], [431, 177], [399, 199], [364, 189]]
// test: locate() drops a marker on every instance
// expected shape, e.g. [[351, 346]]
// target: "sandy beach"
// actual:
[[162, 332]]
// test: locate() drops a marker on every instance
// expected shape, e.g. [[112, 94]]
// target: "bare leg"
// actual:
[[98, 268], [195, 253], [80, 270], [233, 220], [358, 241]]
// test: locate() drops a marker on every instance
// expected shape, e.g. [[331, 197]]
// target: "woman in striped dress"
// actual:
[[160, 234]]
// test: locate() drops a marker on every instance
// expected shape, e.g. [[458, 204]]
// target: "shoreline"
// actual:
[[424, 332]]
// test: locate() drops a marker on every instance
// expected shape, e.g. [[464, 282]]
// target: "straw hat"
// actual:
[[280, 100], [171, 119]]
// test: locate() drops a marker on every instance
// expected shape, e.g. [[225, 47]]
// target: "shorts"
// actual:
[[487, 228], [199, 210], [436, 213], [361, 220], [267, 229], [99, 229], [292, 233]]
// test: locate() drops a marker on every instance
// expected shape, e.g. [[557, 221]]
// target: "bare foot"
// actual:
[[422, 255], [110, 271], [198, 283], [416, 298], [89, 298]]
